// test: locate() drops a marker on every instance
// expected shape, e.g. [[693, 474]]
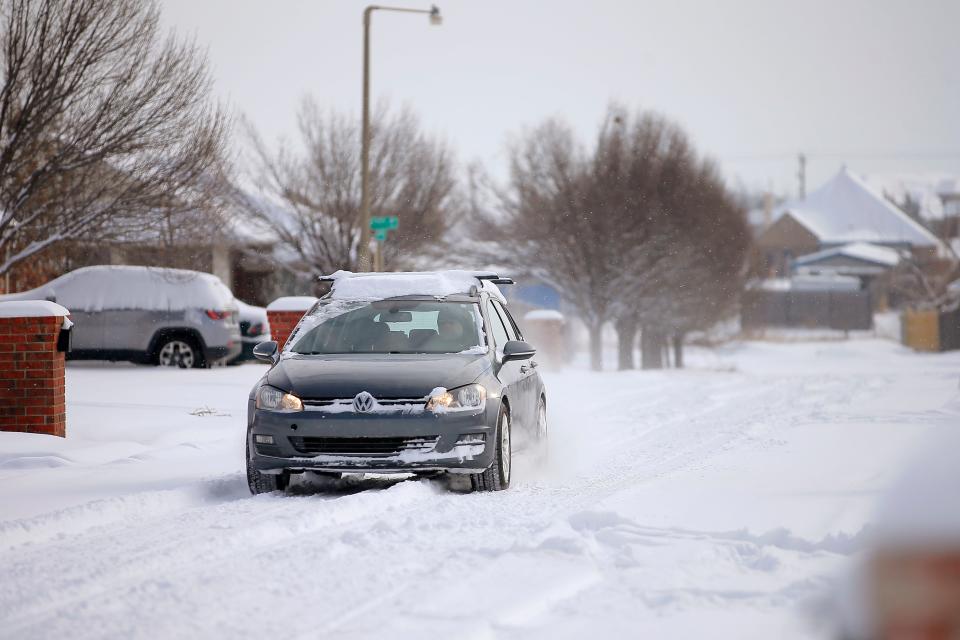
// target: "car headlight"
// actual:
[[467, 398], [276, 400]]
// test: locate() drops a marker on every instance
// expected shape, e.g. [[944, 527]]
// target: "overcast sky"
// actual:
[[875, 85]]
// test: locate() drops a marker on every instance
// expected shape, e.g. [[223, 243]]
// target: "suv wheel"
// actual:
[[497, 476], [179, 352], [263, 482]]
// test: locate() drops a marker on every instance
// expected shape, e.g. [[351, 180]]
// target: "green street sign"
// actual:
[[387, 223], [380, 234]]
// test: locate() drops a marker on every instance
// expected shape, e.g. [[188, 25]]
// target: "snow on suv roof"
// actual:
[[375, 286]]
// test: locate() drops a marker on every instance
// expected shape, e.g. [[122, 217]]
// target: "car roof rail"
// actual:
[[495, 279]]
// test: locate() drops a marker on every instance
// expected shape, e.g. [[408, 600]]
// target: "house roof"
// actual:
[[863, 251], [847, 210]]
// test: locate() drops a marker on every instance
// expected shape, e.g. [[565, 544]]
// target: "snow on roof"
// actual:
[[31, 309], [857, 250], [124, 287], [292, 303], [846, 209], [543, 314], [376, 286], [810, 282]]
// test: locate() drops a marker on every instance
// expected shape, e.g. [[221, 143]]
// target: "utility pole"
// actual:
[[363, 251], [802, 175]]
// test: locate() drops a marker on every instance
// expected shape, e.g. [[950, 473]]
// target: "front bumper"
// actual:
[[433, 440]]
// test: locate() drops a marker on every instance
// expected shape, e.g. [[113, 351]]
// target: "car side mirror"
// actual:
[[518, 350], [267, 351]]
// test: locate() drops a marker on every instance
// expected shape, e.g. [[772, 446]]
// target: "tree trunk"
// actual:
[[596, 346], [678, 351], [651, 349], [626, 339]]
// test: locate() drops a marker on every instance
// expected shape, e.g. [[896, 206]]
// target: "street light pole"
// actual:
[[364, 248]]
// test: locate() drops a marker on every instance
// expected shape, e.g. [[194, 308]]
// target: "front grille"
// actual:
[[372, 446], [382, 404]]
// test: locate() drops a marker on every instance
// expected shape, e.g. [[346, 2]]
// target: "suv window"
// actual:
[[500, 335]]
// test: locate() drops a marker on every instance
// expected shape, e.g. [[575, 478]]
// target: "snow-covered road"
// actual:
[[717, 501]]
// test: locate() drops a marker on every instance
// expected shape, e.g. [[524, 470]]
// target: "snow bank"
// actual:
[[32, 309], [97, 288], [292, 303], [376, 286], [543, 314]]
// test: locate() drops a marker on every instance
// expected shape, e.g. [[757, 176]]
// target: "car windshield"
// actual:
[[390, 326]]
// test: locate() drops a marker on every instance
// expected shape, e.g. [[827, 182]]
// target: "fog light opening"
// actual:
[[259, 439], [472, 438]]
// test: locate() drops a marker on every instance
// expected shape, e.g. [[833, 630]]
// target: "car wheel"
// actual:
[[179, 352], [541, 437], [263, 482], [497, 476]]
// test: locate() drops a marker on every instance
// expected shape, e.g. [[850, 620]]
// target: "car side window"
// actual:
[[500, 336], [505, 319], [512, 325]]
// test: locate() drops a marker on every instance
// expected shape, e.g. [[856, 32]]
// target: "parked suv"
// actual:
[[171, 317], [398, 373], [254, 329]]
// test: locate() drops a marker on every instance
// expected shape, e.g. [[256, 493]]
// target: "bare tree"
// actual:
[[103, 122], [310, 196], [685, 238], [629, 231], [551, 222]]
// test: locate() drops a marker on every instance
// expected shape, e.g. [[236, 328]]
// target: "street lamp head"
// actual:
[[435, 17]]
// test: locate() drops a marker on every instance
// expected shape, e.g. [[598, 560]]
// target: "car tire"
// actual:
[[264, 482], [179, 351], [496, 477]]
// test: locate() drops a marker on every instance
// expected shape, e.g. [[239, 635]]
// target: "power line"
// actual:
[[791, 155]]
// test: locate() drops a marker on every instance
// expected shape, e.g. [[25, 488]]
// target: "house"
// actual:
[[860, 259], [869, 265], [844, 211]]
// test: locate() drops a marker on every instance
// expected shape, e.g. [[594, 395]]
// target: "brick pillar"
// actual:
[[283, 314], [32, 383]]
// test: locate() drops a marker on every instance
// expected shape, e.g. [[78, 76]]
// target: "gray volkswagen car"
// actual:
[[398, 373]]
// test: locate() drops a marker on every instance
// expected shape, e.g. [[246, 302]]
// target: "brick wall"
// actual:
[[282, 323], [32, 376]]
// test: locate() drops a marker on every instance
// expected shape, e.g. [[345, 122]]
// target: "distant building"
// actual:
[[844, 211]]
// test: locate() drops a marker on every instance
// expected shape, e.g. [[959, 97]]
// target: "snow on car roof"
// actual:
[[375, 286], [127, 287]]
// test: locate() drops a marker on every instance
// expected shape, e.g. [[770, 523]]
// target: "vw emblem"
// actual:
[[363, 402]]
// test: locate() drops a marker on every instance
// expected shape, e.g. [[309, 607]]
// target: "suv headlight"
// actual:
[[471, 397], [272, 398]]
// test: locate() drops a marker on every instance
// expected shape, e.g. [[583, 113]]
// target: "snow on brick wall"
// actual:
[[283, 314], [32, 387]]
